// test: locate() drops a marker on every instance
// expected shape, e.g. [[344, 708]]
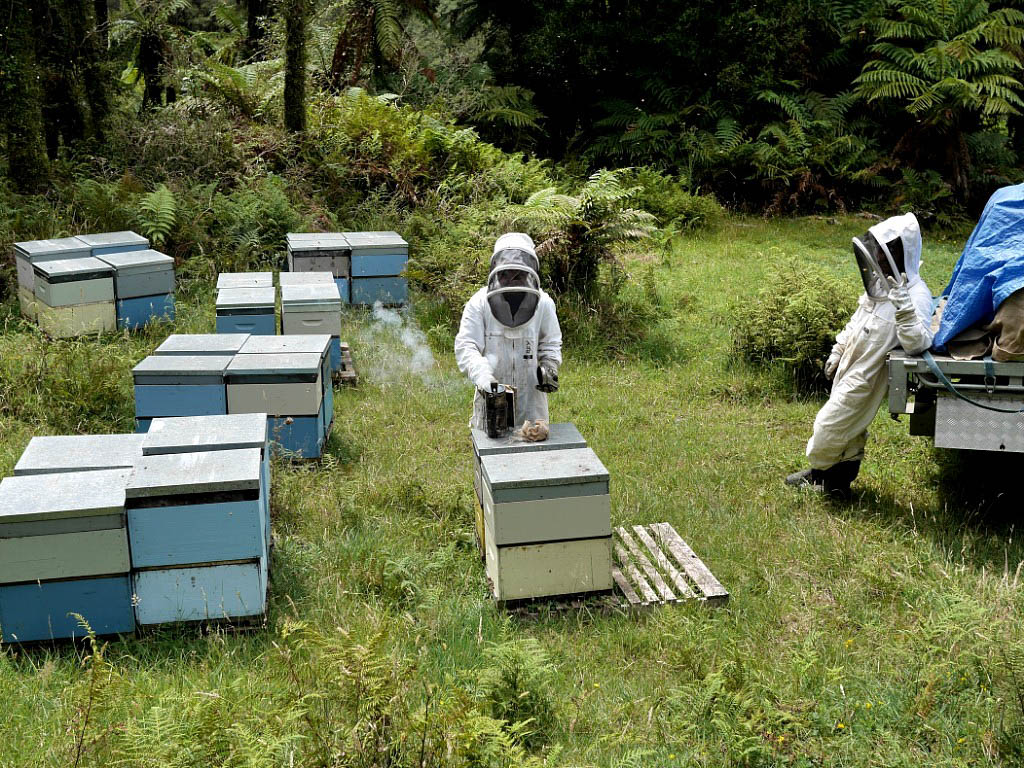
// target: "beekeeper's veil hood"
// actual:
[[513, 285], [888, 249]]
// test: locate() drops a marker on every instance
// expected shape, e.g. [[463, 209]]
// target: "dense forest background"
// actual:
[[214, 127]]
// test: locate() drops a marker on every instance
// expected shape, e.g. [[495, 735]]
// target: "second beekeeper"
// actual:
[[509, 332]]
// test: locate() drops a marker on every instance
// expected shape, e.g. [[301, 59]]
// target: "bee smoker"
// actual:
[[500, 409]]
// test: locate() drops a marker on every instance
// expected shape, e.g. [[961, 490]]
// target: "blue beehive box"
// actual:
[[247, 310], [63, 549], [179, 385], [143, 286], [217, 344], [79, 453], [196, 528], [106, 243], [378, 261], [304, 344], [287, 387], [190, 434]]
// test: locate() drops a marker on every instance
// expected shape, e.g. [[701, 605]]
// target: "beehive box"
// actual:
[[143, 310], [216, 344], [79, 453], [63, 548], [78, 320], [107, 243], [199, 507], [247, 310], [288, 384], [245, 280], [191, 434], [197, 536], [68, 282], [141, 273], [311, 308], [305, 344], [547, 518], [319, 252], [305, 278], [29, 303], [31, 252], [378, 260], [179, 385]]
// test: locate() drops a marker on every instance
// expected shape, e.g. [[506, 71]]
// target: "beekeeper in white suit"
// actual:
[[509, 332], [895, 310]]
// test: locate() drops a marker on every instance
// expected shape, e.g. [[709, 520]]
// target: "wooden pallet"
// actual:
[[653, 566], [347, 373]]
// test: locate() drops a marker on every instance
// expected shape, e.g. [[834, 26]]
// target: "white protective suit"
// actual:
[[487, 350], [861, 382]]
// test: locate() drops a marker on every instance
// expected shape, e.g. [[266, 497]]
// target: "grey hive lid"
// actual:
[[545, 468], [316, 241], [138, 261], [202, 344], [376, 241], [240, 298], [288, 279], [71, 494], [311, 295], [309, 344], [86, 267], [176, 474], [63, 247], [182, 365], [191, 434], [245, 280], [79, 453], [271, 364], [114, 239], [563, 435]]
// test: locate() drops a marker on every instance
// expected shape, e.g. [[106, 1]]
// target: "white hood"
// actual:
[[907, 229]]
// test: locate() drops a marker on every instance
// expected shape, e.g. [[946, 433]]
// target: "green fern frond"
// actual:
[[157, 213]]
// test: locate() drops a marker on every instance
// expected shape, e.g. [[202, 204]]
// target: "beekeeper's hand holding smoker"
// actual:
[[509, 332], [895, 309]]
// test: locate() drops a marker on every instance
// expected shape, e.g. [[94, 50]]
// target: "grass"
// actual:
[[883, 632]]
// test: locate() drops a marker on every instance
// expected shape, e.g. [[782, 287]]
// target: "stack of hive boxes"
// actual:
[[321, 252], [310, 304], [246, 302], [288, 378], [367, 266], [198, 520], [105, 281], [191, 497], [546, 515]]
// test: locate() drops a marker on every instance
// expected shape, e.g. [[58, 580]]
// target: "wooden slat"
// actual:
[[626, 587], [659, 583], [664, 562], [634, 574], [694, 567]]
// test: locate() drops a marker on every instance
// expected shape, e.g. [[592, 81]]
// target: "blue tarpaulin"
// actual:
[[990, 268]]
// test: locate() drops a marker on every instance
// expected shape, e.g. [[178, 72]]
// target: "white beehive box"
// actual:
[[35, 251], [312, 308], [63, 526], [276, 384], [547, 519], [79, 453], [141, 273], [70, 282], [304, 278]]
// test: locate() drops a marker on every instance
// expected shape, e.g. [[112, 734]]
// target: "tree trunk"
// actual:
[[102, 24], [295, 12], [254, 11], [21, 100], [90, 56]]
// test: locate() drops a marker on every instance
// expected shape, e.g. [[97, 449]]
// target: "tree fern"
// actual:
[[157, 213]]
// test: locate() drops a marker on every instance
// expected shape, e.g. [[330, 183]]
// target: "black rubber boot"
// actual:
[[837, 478], [806, 478]]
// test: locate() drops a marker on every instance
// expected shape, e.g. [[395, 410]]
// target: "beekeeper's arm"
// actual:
[[469, 346], [549, 346], [913, 304]]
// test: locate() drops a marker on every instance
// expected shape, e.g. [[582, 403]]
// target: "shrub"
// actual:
[[668, 198], [793, 322], [517, 684]]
